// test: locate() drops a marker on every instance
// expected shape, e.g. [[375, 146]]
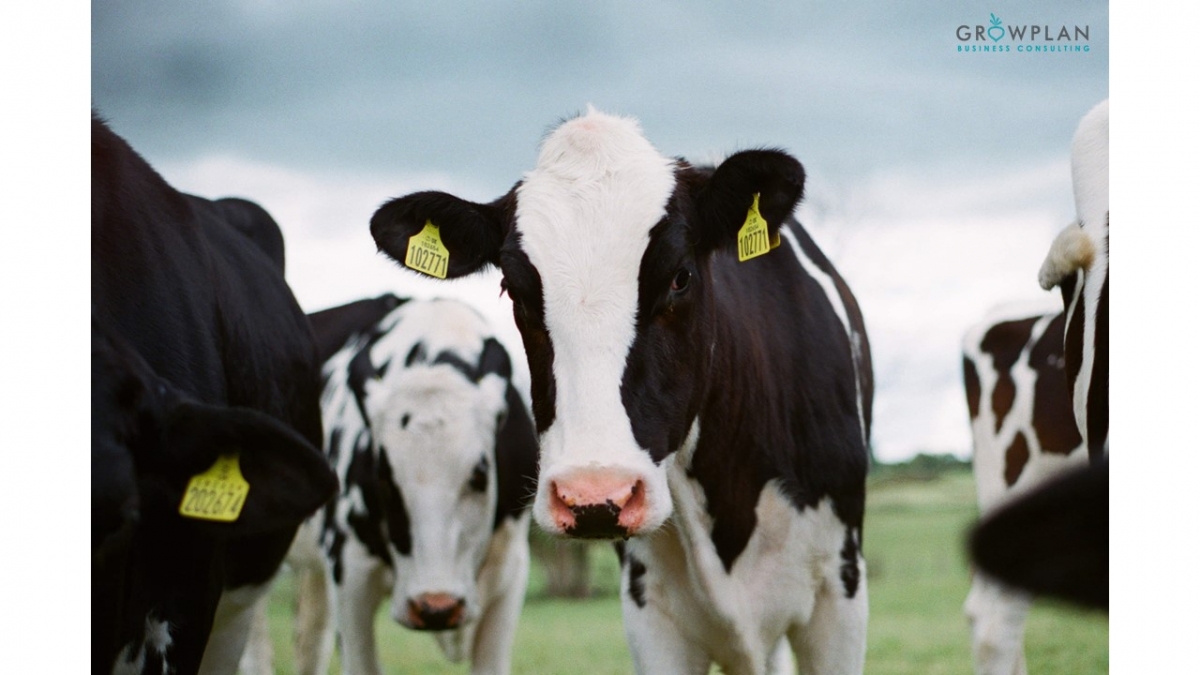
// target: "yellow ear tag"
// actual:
[[426, 253], [754, 239], [217, 494]]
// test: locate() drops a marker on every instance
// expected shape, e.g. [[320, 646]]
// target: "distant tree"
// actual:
[[922, 466]]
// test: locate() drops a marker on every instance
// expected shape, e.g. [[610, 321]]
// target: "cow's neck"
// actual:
[[727, 459]]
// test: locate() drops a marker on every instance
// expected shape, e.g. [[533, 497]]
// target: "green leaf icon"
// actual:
[[996, 32]]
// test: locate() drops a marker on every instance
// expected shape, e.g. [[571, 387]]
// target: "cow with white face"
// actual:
[[701, 386], [438, 461]]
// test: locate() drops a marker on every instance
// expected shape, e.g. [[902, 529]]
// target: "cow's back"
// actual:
[[151, 278], [204, 304], [269, 353]]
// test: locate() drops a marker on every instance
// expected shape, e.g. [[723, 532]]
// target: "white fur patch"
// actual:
[[1089, 175], [157, 640], [785, 583], [584, 215], [1070, 251], [1089, 167]]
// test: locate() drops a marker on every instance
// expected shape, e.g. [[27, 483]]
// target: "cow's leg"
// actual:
[[782, 661], [259, 655], [314, 630], [997, 614], [363, 587], [656, 643], [231, 629], [491, 652], [834, 641]]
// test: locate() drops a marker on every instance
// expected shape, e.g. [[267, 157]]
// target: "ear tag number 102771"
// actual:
[[754, 239], [217, 494], [427, 253]]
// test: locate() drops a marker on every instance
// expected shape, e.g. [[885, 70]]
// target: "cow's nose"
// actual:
[[435, 611], [598, 505]]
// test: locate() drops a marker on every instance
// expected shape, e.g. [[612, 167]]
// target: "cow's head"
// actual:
[[435, 419], [149, 439], [605, 248]]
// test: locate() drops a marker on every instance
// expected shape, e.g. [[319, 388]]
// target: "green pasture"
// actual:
[[917, 580]]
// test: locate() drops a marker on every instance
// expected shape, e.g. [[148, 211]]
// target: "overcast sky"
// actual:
[[937, 178]]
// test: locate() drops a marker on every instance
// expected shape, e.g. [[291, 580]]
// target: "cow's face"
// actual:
[[435, 432], [605, 249]]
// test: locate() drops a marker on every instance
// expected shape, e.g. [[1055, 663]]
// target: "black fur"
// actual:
[[204, 350]]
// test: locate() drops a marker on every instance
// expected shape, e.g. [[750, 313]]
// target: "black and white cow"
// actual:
[[437, 458], [1078, 264], [199, 352], [1024, 433], [714, 412]]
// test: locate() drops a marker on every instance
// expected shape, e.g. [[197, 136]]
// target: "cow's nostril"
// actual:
[[597, 521], [414, 615]]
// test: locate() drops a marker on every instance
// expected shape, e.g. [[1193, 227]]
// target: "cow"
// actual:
[[437, 458], [205, 418], [1024, 433], [1078, 264], [701, 384]]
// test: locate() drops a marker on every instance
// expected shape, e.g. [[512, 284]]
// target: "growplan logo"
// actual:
[[996, 37]]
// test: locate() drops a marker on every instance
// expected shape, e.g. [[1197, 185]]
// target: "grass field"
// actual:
[[917, 579]]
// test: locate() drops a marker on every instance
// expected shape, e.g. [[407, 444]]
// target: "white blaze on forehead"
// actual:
[[440, 325], [584, 215]]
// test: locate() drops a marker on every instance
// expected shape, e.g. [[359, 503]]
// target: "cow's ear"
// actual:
[[288, 478], [470, 233], [494, 359], [724, 201]]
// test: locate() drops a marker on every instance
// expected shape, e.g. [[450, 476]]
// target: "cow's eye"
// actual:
[[479, 476], [682, 278]]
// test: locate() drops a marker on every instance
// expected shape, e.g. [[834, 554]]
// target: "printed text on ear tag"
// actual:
[[217, 494], [754, 239], [426, 253]]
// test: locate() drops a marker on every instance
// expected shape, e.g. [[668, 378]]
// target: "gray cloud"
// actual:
[[470, 87]]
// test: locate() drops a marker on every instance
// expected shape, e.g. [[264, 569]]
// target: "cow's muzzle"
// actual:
[[598, 505], [435, 611]]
